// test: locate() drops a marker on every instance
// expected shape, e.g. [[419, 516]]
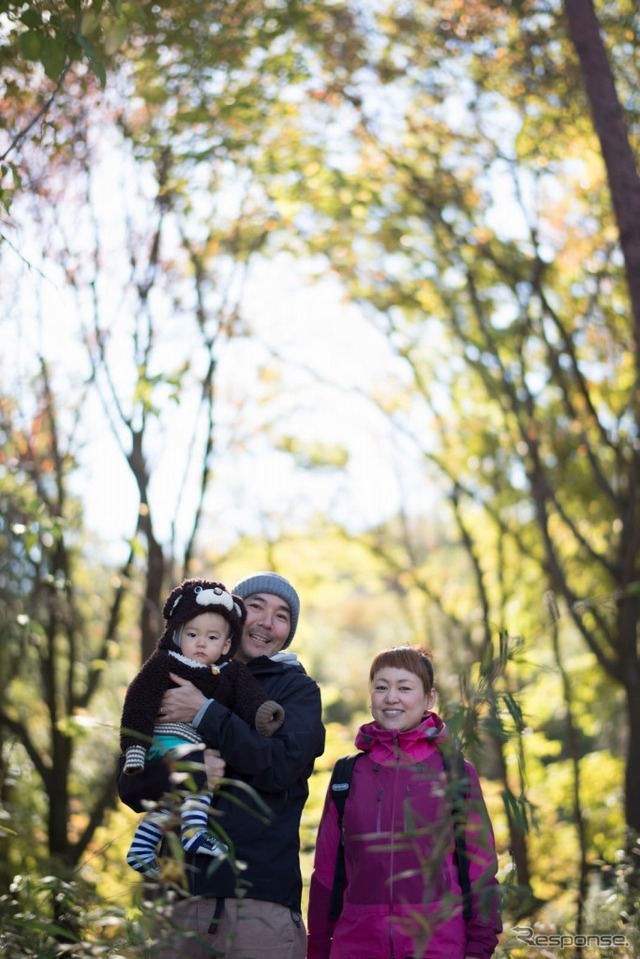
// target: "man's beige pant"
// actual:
[[230, 929]]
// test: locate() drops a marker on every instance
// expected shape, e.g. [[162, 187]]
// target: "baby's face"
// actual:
[[206, 638]]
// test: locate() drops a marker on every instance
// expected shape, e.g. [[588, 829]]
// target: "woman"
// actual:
[[402, 894]]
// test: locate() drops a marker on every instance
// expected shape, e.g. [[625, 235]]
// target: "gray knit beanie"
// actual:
[[267, 582]]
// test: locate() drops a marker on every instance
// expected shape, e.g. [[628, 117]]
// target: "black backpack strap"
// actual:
[[456, 773], [339, 786]]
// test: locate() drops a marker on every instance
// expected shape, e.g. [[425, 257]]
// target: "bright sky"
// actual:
[[324, 356], [326, 352], [327, 356]]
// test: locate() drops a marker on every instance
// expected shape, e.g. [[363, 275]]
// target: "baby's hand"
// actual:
[[215, 766]]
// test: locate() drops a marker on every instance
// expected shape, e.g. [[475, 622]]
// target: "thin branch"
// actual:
[[21, 732], [44, 109], [105, 799]]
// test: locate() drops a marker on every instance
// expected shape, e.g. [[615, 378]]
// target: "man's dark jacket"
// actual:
[[277, 768]]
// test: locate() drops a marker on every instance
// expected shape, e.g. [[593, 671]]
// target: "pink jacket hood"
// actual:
[[410, 745]]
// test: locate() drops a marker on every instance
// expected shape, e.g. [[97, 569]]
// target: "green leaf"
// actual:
[[94, 61], [31, 18], [31, 45], [514, 710], [87, 46], [53, 57], [100, 72], [114, 37]]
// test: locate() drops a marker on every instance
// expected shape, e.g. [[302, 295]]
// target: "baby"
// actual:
[[203, 626]]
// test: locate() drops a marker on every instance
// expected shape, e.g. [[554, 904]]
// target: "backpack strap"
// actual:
[[456, 773], [339, 786]]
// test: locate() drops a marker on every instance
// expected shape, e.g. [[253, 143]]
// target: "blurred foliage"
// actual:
[[56, 33], [440, 160], [342, 627], [501, 274]]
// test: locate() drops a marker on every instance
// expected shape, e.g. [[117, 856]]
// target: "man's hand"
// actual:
[[180, 705], [215, 766]]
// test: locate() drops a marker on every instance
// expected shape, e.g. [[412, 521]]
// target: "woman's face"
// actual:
[[398, 699]]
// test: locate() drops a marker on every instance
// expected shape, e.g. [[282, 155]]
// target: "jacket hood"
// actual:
[[412, 745], [278, 663], [286, 657]]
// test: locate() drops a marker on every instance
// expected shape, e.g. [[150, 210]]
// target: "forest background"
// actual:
[[348, 290]]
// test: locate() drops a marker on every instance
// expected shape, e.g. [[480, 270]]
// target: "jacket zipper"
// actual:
[[394, 796]]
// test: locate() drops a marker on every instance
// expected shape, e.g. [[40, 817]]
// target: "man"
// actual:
[[255, 913]]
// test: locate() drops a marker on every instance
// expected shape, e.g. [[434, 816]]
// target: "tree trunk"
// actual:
[[58, 797], [574, 756], [632, 775], [628, 620], [150, 618], [524, 902], [612, 131]]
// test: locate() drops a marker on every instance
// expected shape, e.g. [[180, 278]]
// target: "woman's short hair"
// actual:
[[415, 659]]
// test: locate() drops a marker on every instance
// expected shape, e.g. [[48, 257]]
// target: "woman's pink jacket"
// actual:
[[402, 896]]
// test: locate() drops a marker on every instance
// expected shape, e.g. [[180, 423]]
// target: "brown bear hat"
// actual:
[[196, 596]]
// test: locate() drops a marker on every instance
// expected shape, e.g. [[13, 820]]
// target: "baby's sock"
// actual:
[[195, 827], [143, 849]]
